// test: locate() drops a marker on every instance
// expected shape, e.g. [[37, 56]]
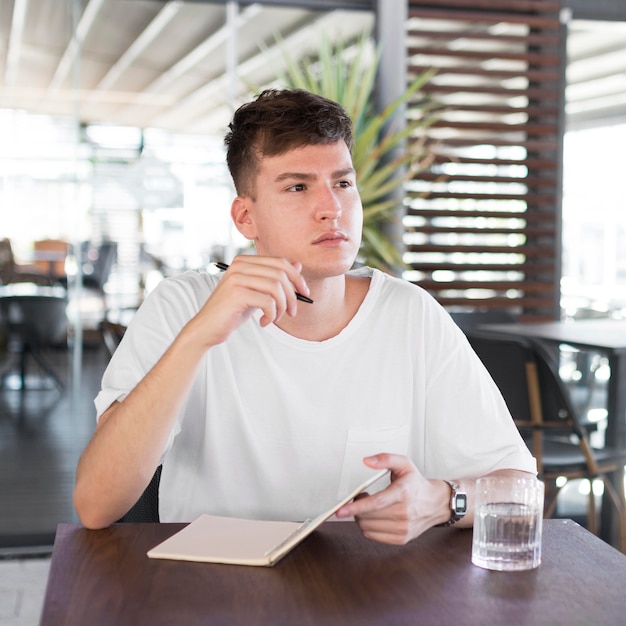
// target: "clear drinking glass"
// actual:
[[508, 520]]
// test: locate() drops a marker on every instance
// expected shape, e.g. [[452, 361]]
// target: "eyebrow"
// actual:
[[306, 176]]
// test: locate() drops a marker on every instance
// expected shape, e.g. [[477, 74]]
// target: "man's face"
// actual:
[[307, 209]]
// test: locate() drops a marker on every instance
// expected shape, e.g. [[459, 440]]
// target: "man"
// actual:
[[259, 405]]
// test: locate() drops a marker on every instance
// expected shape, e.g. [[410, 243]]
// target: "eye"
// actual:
[[345, 184], [297, 187]]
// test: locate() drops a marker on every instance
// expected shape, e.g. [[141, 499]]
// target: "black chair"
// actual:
[[97, 262], [543, 412], [112, 333], [34, 323], [11, 272], [146, 509], [469, 321]]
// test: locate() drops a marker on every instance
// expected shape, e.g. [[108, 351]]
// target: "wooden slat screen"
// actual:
[[482, 228]]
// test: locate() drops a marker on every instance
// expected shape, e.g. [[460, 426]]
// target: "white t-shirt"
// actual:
[[276, 427]]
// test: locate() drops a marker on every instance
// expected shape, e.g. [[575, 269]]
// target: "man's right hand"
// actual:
[[251, 282]]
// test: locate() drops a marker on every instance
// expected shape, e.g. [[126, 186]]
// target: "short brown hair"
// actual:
[[278, 121]]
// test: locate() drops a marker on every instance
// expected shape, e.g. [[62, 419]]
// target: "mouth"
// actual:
[[335, 235]]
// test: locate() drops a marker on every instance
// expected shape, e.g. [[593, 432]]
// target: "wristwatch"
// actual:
[[458, 503]]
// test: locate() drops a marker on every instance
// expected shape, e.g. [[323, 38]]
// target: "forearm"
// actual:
[[124, 452]]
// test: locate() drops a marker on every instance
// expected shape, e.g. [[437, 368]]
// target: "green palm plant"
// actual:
[[346, 73]]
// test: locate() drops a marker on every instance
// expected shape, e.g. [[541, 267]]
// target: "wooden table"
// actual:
[[334, 577]]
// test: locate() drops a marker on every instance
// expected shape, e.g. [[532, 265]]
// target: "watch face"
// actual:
[[461, 503]]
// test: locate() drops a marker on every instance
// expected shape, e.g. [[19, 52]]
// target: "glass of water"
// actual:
[[508, 518]]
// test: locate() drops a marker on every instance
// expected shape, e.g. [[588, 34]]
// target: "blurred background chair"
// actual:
[[582, 383], [98, 261], [112, 333], [12, 272], [33, 320], [468, 321], [96, 265], [547, 419]]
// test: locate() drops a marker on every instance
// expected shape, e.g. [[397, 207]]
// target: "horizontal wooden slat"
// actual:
[[543, 265], [533, 181], [543, 38], [536, 75], [519, 285], [543, 110], [529, 58], [534, 303], [527, 231], [529, 216], [439, 156], [532, 145], [535, 199], [486, 17], [533, 129], [519, 6], [526, 250], [547, 93]]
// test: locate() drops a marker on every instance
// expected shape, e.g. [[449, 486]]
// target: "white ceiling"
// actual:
[[164, 64], [148, 62]]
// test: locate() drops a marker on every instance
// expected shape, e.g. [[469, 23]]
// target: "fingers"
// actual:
[[270, 284], [398, 513]]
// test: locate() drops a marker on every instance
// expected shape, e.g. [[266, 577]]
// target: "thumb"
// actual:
[[398, 464]]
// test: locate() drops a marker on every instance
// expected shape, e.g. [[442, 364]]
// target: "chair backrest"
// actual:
[[468, 321], [146, 509], [103, 263], [39, 320], [506, 360], [537, 398], [7, 260], [112, 334], [10, 272]]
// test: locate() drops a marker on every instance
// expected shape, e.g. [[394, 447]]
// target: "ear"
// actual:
[[242, 217]]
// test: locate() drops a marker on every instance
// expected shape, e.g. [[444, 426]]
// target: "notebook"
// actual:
[[215, 539]]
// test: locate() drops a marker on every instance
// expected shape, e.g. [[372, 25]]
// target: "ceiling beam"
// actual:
[[15, 41], [273, 56], [72, 52], [198, 54], [312, 5], [149, 34]]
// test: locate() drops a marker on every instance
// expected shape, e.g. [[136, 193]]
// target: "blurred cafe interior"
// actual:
[[112, 177]]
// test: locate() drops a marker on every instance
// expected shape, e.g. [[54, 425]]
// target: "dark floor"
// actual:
[[42, 434]]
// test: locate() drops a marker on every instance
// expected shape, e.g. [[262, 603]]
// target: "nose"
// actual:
[[328, 206]]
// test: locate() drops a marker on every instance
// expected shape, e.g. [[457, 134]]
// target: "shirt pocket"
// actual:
[[366, 442]]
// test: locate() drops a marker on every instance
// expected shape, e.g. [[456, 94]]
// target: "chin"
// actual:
[[330, 268]]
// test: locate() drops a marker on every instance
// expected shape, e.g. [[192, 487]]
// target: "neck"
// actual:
[[335, 302]]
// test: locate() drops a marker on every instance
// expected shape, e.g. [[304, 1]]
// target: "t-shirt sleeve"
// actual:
[[468, 417], [152, 330]]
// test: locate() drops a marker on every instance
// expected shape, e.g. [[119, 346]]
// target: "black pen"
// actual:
[[299, 296]]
